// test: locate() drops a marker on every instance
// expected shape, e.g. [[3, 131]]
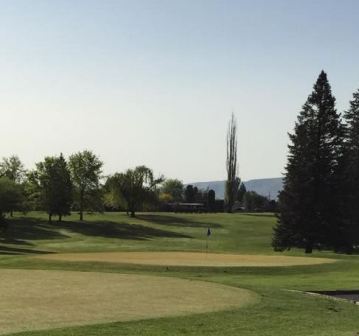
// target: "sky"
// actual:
[[154, 82]]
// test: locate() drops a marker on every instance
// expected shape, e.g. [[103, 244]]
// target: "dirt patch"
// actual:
[[37, 300], [188, 259]]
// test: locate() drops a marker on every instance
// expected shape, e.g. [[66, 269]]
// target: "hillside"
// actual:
[[267, 187]]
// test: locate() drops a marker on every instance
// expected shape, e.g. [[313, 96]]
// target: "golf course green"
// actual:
[[154, 275]]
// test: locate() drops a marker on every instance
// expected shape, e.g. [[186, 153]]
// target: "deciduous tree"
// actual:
[[86, 169], [137, 186], [11, 197], [54, 185], [174, 188], [13, 168]]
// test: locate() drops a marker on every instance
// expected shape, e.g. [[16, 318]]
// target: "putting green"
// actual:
[[37, 300], [188, 259]]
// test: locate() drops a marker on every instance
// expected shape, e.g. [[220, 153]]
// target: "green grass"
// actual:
[[281, 311], [148, 231]]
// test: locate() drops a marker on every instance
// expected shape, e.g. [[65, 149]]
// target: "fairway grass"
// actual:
[[188, 259], [56, 295], [38, 300]]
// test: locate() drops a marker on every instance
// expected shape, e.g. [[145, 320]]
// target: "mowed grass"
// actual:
[[38, 299], [249, 233], [279, 311], [198, 259]]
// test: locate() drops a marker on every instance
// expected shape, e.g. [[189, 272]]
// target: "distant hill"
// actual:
[[269, 187]]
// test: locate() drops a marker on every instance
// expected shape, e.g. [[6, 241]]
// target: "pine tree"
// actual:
[[350, 190], [309, 209]]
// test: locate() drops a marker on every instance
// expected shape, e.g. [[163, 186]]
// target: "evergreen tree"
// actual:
[[309, 207], [350, 190]]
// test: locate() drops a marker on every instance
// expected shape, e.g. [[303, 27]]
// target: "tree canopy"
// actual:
[[86, 170], [137, 186], [53, 181], [11, 196], [174, 188], [12, 168]]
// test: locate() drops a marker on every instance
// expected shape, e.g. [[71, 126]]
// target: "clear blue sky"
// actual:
[[154, 82]]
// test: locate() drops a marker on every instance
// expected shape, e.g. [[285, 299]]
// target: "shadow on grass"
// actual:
[[108, 229], [6, 250], [23, 230], [271, 215], [175, 221]]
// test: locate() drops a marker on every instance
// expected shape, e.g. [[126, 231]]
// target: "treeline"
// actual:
[[59, 185], [319, 203], [55, 185]]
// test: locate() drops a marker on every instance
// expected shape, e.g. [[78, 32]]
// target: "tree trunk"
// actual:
[[11, 213], [133, 213], [60, 218], [81, 205], [309, 248], [50, 218]]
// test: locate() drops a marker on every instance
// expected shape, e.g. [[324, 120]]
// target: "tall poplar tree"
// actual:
[[309, 203], [233, 182]]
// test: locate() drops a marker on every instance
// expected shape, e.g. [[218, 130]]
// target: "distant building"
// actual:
[[186, 207]]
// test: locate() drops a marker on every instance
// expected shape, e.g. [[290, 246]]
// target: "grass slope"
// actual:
[[38, 299], [280, 311]]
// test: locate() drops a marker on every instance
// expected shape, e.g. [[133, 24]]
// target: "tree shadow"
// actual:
[[175, 221], [259, 214], [6, 250], [23, 230], [108, 229]]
